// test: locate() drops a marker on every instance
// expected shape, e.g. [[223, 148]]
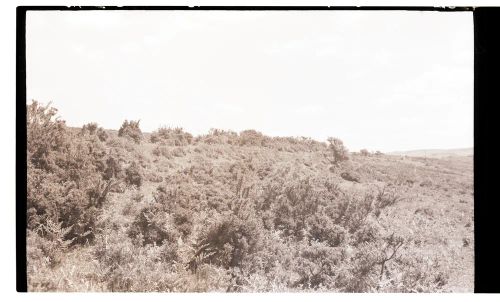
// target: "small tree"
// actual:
[[131, 130], [364, 152], [339, 152]]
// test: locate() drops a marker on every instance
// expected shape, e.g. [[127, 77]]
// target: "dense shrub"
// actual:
[[323, 229], [162, 151], [364, 152], [65, 175], [153, 225], [317, 267], [94, 129], [218, 136], [133, 175], [302, 208], [252, 138], [46, 135], [130, 129], [171, 137], [255, 138], [113, 168], [293, 207], [227, 243]]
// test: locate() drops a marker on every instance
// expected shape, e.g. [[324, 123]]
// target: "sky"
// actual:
[[380, 80]]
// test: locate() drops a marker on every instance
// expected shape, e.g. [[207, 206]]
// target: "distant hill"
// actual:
[[436, 153]]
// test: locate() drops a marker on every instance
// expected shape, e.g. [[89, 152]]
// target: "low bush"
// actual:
[[153, 225], [133, 175], [153, 177], [387, 196], [350, 176], [227, 243], [163, 151]]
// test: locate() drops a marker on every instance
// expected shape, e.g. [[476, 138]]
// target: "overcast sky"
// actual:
[[378, 80]]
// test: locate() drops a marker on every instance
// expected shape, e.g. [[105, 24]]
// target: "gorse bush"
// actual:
[[133, 175], [65, 175], [171, 137], [162, 151], [227, 243], [153, 225], [113, 169], [218, 136], [387, 196], [94, 129], [252, 138], [131, 130], [364, 152], [46, 135], [339, 152], [317, 266]]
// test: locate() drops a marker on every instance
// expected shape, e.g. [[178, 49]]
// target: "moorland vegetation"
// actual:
[[238, 212]]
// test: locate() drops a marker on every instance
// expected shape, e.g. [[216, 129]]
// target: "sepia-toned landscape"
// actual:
[[123, 210]]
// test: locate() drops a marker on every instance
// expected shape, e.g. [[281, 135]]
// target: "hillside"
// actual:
[[436, 153], [167, 211]]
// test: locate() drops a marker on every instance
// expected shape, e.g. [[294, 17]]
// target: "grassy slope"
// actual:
[[436, 153], [436, 212]]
